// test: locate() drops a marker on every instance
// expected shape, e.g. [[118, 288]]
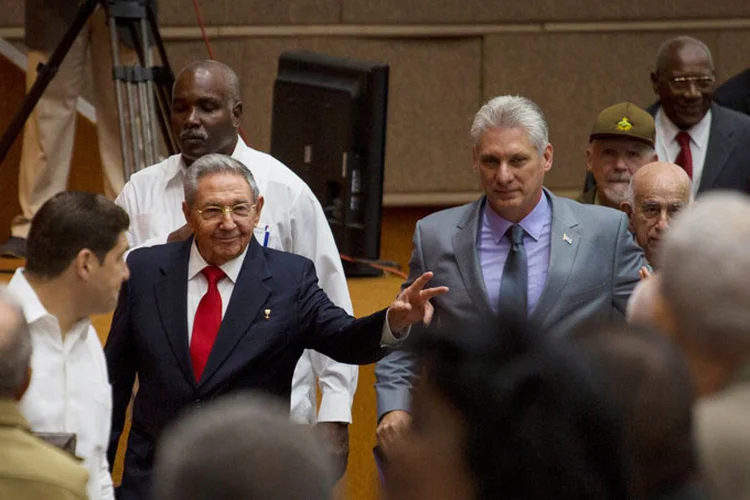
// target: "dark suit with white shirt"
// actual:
[[276, 311]]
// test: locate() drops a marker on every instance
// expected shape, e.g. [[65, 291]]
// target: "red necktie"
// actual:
[[685, 158], [207, 321]]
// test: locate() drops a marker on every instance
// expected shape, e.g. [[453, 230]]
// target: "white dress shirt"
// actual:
[[293, 221], [668, 149], [69, 389]]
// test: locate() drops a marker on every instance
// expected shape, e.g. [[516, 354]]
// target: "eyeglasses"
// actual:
[[652, 210], [682, 83], [213, 213]]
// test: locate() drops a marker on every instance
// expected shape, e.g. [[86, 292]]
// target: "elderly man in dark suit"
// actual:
[[518, 249], [219, 313], [711, 142]]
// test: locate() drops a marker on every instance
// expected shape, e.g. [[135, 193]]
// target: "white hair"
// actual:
[[705, 273], [512, 111], [216, 163]]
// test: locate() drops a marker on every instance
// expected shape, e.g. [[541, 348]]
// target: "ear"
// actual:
[[24, 385], [186, 213], [475, 159], [237, 114], [626, 207], [654, 157], [589, 168], [548, 155], [259, 208], [84, 263], [655, 82]]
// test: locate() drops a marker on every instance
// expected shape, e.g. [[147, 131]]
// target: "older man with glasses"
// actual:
[[710, 142]]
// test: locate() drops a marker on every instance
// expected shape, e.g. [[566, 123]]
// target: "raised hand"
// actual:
[[413, 304]]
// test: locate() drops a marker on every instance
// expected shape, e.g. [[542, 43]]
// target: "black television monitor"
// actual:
[[328, 126]]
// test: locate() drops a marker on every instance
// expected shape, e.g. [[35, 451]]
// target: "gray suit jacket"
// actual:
[[593, 269], [727, 164]]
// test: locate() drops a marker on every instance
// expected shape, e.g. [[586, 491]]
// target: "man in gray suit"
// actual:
[[517, 250], [711, 142]]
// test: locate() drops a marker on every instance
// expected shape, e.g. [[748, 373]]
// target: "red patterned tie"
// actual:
[[207, 321], [685, 158]]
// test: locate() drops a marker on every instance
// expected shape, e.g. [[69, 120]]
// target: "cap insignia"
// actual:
[[624, 124]]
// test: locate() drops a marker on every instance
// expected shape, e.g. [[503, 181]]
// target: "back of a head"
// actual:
[[15, 348], [242, 447], [537, 426], [650, 382], [704, 276], [66, 224]]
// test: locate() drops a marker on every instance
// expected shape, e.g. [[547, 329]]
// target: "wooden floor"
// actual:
[[368, 295]]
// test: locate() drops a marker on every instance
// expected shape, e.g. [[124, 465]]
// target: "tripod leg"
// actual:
[[135, 138], [148, 63], [46, 73], [126, 156]]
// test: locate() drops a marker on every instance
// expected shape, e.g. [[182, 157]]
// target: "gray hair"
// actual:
[[243, 447], [512, 111], [212, 164], [667, 48], [15, 346], [705, 274]]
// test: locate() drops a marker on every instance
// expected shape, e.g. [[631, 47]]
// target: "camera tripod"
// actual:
[[142, 91]]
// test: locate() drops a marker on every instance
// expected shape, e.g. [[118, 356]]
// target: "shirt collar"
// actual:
[[197, 263], [698, 132], [533, 223], [34, 310]]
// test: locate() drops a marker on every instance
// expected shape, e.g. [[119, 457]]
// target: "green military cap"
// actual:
[[626, 120]]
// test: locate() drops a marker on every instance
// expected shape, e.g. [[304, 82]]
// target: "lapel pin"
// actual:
[[267, 313], [567, 239]]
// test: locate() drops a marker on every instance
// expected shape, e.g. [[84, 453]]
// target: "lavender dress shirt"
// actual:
[[494, 248]]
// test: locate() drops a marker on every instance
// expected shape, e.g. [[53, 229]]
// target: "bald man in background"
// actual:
[[658, 191]]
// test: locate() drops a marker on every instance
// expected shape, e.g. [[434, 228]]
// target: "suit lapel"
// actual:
[[467, 256], [171, 302], [248, 296], [564, 240], [720, 146]]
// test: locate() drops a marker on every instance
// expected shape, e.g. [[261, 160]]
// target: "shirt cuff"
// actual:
[[335, 407], [388, 338]]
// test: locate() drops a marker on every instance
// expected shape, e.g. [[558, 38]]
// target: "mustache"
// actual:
[[618, 178], [192, 134]]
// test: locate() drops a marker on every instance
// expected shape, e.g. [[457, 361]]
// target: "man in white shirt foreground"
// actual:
[[74, 268], [219, 313], [206, 114]]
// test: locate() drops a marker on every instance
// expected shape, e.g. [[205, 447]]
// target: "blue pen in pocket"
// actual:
[[266, 233]]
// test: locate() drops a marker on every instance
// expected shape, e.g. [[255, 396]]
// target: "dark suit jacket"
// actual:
[[727, 164], [735, 93], [149, 338], [593, 269]]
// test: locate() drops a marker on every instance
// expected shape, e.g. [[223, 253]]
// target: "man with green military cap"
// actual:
[[621, 142]]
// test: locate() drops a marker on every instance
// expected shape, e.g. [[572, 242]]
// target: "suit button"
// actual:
[[197, 403]]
